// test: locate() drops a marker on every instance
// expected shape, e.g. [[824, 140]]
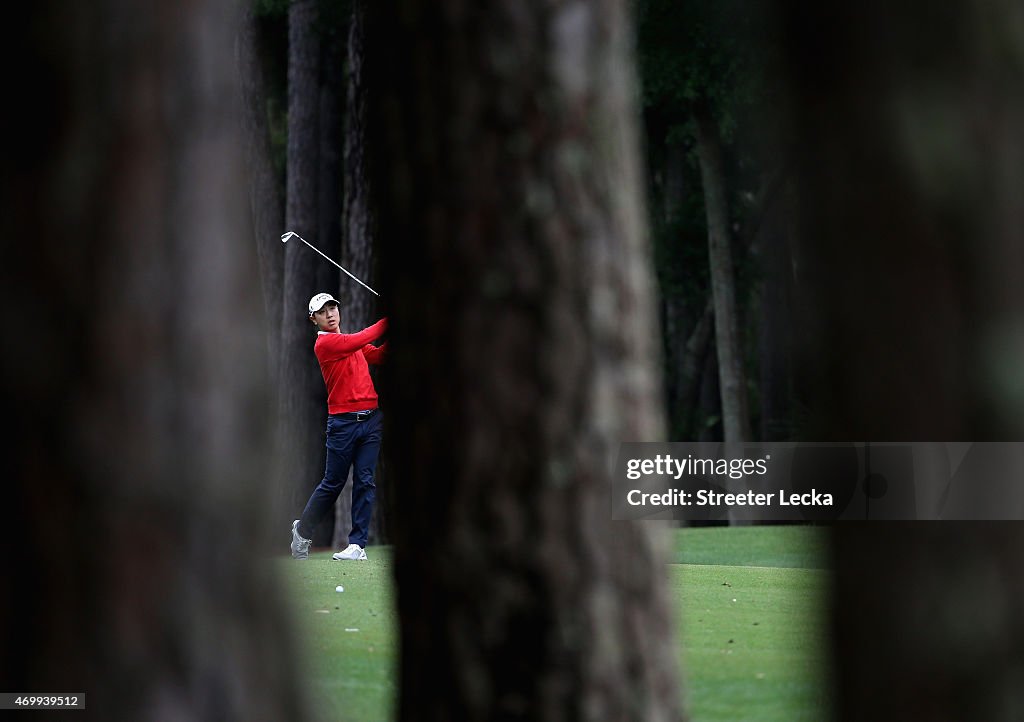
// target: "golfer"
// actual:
[[353, 426]]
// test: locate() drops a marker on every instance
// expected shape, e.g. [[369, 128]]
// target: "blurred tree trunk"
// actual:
[[525, 351], [133, 374], [927, 621], [732, 379], [302, 408], [909, 118]]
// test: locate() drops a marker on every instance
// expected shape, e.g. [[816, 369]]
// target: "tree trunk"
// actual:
[[777, 334], [926, 623], [330, 124], [301, 452], [912, 196], [357, 217], [356, 238], [264, 193], [330, 119], [133, 374], [687, 357], [710, 400], [525, 351], [695, 355], [687, 329], [732, 379], [675, 187]]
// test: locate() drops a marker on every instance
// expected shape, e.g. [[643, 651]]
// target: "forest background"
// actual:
[[719, 175]]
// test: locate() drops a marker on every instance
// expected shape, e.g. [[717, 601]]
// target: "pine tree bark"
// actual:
[[132, 381], [330, 172], [302, 405], [357, 215], [523, 350], [356, 239], [265, 199]]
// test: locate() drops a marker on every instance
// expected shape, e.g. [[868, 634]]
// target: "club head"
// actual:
[[286, 236]]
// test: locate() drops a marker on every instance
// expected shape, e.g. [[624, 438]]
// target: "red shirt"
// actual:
[[343, 361]]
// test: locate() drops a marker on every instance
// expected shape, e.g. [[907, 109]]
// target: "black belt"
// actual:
[[356, 415]]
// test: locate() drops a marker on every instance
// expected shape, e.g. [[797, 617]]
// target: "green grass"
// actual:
[[751, 608], [798, 547], [351, 673]]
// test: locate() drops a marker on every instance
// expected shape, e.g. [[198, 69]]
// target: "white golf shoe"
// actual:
[[300, 546], [353, 552]]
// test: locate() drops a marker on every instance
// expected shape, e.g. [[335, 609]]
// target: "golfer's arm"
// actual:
[[343, 344], [375, 354]]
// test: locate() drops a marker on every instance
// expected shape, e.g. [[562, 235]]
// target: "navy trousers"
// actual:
[[350, 444]]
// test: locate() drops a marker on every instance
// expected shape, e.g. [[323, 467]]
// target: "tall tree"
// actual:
[[732, 378], [132, 373], [331, 27], [525, 351], [909, 119], [357, 215], [678, 236], [301, 454], [357, 231], [265, 195]]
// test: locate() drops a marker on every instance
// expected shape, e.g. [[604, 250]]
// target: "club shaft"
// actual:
[[342, 268]]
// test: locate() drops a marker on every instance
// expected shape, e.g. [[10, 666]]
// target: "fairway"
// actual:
[[347, 639], [751, 608]]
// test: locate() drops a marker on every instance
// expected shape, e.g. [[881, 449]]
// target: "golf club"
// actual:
[[289, 234]]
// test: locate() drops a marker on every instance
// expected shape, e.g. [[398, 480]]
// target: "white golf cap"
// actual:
[[319, 301]]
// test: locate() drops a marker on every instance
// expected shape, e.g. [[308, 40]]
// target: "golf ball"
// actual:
[[339, 588]]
